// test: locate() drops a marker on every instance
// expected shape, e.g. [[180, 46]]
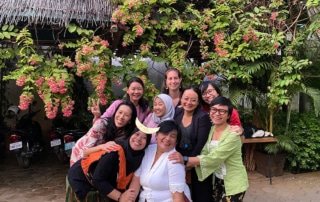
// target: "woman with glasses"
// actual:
[[222, 156], [195, 126], [209, 91], [172, 85]]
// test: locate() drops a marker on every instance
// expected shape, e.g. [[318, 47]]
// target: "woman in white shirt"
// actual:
[[160, 179]]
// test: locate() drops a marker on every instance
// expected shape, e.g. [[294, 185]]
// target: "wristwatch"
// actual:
[[185, 159]]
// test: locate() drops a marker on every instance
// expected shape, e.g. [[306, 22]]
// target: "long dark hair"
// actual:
[[143, 103], [164, 88], [112, 131]]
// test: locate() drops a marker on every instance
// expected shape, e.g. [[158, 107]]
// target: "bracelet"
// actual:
[[119, 196]]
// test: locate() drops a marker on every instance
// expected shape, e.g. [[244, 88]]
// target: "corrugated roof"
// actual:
[[57, 12]]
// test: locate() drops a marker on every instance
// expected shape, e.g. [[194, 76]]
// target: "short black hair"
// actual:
[[223, 101], [169, 125]]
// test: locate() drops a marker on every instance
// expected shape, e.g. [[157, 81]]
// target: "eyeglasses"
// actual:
[[209, 91], [220, 111]]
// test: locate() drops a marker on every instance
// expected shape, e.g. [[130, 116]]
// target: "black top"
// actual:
[[199, 131]]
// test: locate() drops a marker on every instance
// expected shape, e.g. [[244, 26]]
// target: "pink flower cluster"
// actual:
[[139, 30], [21, 81], [274, 15], [99, 83], [218, 40], [87, 50], [57, 87], [67, 107], [218, 37], [104, 43], [52, 108], [67, 62], [25, 100], [221, 52], [83, 67]]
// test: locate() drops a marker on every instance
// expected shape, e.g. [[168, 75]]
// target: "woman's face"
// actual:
[[189, 100], [138, 141], [122, 116], [135, 91], [219, 114], [159, 108], [209, 94], [166, 142], [173, 81]]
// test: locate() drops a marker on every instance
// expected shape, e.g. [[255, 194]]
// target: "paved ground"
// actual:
[[44, 181]]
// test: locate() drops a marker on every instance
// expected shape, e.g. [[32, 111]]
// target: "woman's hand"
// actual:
[[95, 109], [237, 129], [129, 195], [108, 145], [176, 157]]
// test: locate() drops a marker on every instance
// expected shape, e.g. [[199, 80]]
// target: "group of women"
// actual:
[[194, 152]]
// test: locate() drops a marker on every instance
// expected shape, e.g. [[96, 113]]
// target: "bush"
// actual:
[[304, 130]]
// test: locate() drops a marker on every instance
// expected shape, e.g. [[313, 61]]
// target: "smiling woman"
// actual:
[[163, 109], [222, 156], [195, 125], [120, 125], [135, 90], [161, 179]]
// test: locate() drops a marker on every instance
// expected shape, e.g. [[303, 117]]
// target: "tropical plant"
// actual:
[[247, 41]]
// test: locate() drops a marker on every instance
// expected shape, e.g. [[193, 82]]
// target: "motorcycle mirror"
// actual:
[[13, 110]]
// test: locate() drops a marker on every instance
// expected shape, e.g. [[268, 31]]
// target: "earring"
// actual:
[[166, 87]]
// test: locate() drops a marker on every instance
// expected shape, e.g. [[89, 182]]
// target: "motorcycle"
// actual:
[[63, 139], [26, 139], [3, 130]]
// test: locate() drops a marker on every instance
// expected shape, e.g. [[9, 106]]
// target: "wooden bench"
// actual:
[[250, 146]]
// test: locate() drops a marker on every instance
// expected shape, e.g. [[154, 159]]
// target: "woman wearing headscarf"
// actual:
[[110, 170], [163, 109]]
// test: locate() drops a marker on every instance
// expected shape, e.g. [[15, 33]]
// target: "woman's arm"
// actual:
[[105, 146], [235, 119], [193, 161], [111, 109], [177, 181], [177, 197]]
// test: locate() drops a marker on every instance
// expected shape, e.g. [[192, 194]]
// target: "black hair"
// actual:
[[112, 131], [164, 88], [169, 125], [197, 91], [205, 84], [223, 101], [143, 103]]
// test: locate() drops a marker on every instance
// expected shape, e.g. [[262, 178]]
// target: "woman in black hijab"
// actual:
[[109, 171]]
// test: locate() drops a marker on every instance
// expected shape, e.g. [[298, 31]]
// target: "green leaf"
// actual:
[[11, 28], [5, 27], [1, 36], [7, 35], [72, 28]]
